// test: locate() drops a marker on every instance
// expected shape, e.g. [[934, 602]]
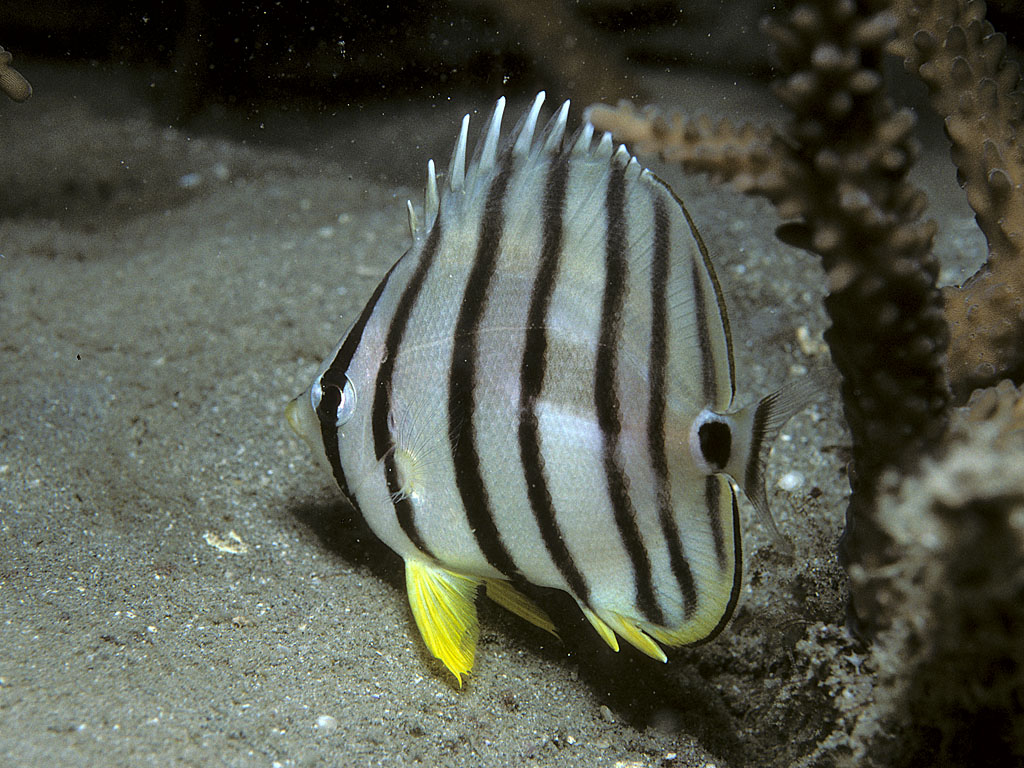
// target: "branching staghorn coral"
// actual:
[[11, 80], [961, 59], [840, 172]]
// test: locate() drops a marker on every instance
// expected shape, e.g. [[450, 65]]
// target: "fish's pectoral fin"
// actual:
[[511, 599], [444, 605], [610, 623]]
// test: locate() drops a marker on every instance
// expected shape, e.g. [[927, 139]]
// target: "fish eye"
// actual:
[[333, 402]]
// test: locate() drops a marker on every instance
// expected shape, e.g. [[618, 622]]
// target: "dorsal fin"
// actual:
[[584, 140], [462, 176]]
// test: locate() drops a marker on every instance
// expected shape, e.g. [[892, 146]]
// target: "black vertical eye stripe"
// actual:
[[606, 396], [532, 373], [337, 371], [462, 377], [660, 274], [383, 443]]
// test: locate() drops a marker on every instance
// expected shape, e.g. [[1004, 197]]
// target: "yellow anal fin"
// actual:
[[511, 599], [691, 632], [444, 606], [610, 623]]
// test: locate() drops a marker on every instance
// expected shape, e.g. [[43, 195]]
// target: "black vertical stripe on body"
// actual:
[[531, 378], [462, 378], [712, 500], [606, 397], [383, 443], [335, 375], [708, 378], [737, 573], [660, 268], [723, 315]]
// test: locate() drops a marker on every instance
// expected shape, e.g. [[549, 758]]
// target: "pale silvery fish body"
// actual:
[[539, 390]]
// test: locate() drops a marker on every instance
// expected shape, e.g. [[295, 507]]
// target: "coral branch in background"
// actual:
[[950, 683], [11, 80], [741, 155], [852, 149], [961, 58], [956, 52]]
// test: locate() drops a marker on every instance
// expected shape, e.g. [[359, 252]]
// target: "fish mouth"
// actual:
[[291, 412], [304, 422]]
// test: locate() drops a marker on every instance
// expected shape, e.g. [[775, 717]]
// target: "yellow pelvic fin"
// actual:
[[610, 622], [511, 599], [602, 629], [635, 636], [444, 606]]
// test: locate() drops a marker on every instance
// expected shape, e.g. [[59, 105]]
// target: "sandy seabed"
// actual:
[[180, 585]]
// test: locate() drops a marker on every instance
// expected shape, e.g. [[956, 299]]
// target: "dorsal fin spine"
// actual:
[[525, 138], [557, 129], [457, 167], [586, 138], [430, 198], [413, 224], [493, 133]]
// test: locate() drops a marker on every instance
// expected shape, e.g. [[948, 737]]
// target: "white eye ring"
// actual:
[[345, 407], [316, 393]]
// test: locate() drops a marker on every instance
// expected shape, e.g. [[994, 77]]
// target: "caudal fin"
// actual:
[[755, 429]]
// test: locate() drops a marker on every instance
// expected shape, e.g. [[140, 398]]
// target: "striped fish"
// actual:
[[540, 390]]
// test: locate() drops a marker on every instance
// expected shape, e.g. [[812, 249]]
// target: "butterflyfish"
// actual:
[[541, 390]]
